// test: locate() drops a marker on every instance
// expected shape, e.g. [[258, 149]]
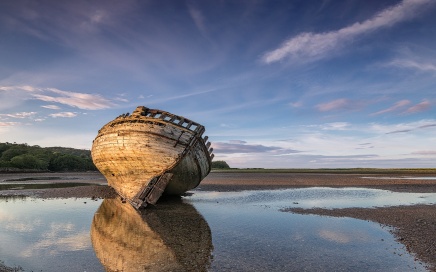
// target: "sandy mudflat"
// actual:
[[96, 187], [414, 226], [225, 181]]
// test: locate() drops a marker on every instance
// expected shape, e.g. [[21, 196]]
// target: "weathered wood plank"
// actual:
[[131, 150]]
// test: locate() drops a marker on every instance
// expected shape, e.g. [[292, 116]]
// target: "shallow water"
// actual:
[[316, 197], [47, 235], [206, 231], [249, 234]]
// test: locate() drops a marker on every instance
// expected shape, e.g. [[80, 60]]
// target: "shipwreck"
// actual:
[[151, 152]]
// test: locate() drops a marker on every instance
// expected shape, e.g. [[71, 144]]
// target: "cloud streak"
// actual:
[[73, 99], [8, 124], [51, 107], [198, 19], [424, 105], [399, 131], [238, 147], [313, 46], [407, 127], [20, 115], [63, 114], [424, 153], [412, 64], [401, 106], [395, 107], [339, 104]]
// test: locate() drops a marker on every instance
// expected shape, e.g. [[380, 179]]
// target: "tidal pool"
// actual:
[[47, 235], [316, 197], [205, 231]]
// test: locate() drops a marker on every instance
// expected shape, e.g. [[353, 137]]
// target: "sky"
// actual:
[[277, 84]]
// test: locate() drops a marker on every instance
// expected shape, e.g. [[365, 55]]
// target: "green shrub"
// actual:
[[220, 165], [27, 161]]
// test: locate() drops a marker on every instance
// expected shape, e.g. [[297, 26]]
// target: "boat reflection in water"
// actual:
[[168, 237]]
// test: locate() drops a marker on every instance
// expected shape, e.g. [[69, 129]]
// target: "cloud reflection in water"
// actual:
[[168, 237]]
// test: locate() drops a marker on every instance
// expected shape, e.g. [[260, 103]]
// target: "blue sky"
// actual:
[[277, 84]]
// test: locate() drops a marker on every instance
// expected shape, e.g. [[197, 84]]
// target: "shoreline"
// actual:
[[218, 181], [222, 181], [414, 226]]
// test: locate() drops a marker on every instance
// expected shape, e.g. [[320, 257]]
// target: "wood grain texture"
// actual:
[[133, 149]]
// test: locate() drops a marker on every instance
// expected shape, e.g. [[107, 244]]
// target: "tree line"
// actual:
[[23, 157], [220, 165], [16, 157]]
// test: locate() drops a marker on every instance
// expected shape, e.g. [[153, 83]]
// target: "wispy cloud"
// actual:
[[8, 124], [296, 104], [237, 142], [425, 153], [413, 64], [399, 131], [63, 114], [426, 124], [79, 17], [312, 46], [334, 105], [20, 115], [365, 146], [236, 146], [52, 107], [121, 99], [340, 104], [399, 105], [424, 105], [198, 19], [331, 126], [72, 99], [185, 95], [336, 126]]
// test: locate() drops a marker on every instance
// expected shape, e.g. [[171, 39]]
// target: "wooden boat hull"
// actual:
[[150, 152]]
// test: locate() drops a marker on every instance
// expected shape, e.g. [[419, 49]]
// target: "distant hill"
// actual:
[[23, 157], [220, 165]]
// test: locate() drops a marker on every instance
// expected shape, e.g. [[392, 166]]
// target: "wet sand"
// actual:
[[220, 181], [96, 188], [414, 226]]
